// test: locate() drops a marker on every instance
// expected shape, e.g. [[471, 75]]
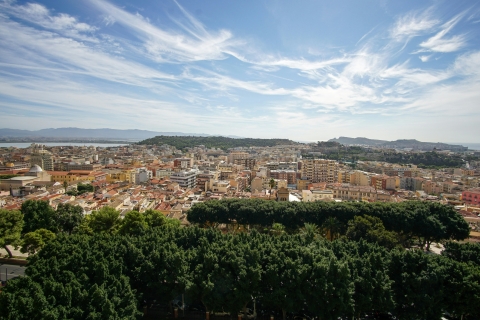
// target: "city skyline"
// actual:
[[311, 72]]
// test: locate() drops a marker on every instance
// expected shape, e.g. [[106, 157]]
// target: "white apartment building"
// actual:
[[185, 179], [163, 173], [142, 175]]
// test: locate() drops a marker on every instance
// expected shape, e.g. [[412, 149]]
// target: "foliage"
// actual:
[[411, 219], [372, 230], [38, 214], [310, 231], [183, 142], [277, 229], [11, 225], [332, 227], [134, 223], [8, 176], [464, 252], [69, 217], [426, 159], [154, 218], [34, 241], [107, 219], [113, 276], [83, 188]]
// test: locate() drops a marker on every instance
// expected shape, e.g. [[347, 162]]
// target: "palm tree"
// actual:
[[277, 229], [271, 183], [310, 231], [332, 227]]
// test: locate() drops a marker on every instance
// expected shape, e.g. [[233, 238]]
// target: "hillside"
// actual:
[[224, 143], [399, 144]]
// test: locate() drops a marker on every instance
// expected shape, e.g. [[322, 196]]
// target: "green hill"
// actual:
[[182, 142]]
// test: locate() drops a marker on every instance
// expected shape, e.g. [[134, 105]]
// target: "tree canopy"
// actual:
[[183, 142], [426, 221], [11, 225], [114, 276]]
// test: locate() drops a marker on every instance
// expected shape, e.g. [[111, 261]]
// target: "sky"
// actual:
[[303, 70]]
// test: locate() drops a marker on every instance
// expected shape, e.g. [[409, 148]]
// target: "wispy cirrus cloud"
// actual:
[[173, 46], [189, 75], [440, 43], [412, 25], [40, 15], [33, 49]]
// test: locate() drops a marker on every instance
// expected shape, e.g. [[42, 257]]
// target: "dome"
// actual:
[[35, 168]]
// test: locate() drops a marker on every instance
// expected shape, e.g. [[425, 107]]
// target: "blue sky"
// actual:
[[305, 70]]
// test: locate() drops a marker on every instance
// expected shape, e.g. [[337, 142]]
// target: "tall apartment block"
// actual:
[[320, 170], [43, 159]]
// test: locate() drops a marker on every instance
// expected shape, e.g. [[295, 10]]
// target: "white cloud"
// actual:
[[62, 23], [170, 46], [31, 48], [439, 43], [425, 58], [412, 25]]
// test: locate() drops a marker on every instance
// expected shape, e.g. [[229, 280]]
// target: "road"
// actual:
[[10, 271]]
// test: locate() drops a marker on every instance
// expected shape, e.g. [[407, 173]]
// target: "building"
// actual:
[[205, 177], [183, 163], [412, 184], [349, 193], [237, 155], [283, 194], [383, 182], [163, 173], [257, 184], [16, 183], [220, 186], [11, 166], [320, 170], [317, 195], [248, 163], [359, 178], [142, 175], [83, 166], [42, 158], [185, 179], [302, 184], [289, 175], [471, 197]]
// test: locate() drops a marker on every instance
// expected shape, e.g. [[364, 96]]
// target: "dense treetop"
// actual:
[[113, 276], [224, 143], [104, 267], [427, 221]]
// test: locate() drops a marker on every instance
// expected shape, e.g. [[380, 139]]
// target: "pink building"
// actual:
[[471, 196]]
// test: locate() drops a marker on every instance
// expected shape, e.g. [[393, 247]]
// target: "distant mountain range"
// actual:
[[94, 134], [400, 144]]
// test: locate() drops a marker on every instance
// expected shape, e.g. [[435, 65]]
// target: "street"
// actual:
[[9, 271]]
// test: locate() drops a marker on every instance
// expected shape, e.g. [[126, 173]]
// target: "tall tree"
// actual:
[[36, 240], [310, 231], [69, 217], [11, 225], [134, 223], [106, 219], [463, 252], [154, 218], [332, 227], [371, 229], [38, 214]]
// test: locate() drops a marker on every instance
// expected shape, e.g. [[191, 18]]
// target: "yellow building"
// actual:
[[62, 176]]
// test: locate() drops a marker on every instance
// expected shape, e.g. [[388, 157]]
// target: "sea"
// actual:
[[471, 146], [60, 144]]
